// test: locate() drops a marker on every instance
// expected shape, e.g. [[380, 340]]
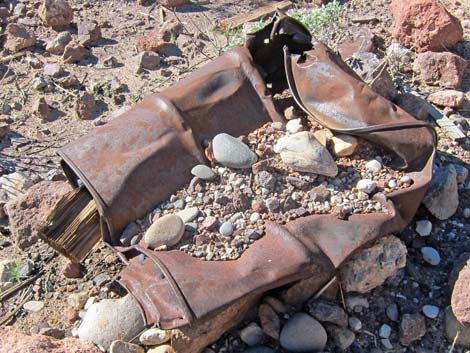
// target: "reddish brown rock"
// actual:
[[12, 340], [27, 212], [18, 38], [269, 320], [88, 32], [72, 270], [153, 41], [448, 98], [75, 52], [460, 300], [362, 40], [41, 109], [412, 328], [84, 106], [424, 25], [56, 13], [442, 69]]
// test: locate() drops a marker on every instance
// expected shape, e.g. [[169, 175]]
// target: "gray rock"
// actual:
[[462, 173], [77, 300], [454, 327], [424, 227], [431, 255], [231, 152], [167, 230], [324, 311], [188, 214], [57, 45], [355, 324], [129, 232], [302, 333], [147, 60], [374, 166], [125, 347], [386, 343], [430, 311], [366, 185], [293, 126], [371, 266], [356, 303], [265, 179], [392, 312], [15, 184], [252, 334], [203, 172], [385, 331], [155, 336], [442, 198], [303, 153], [110, 320], [342, 337], [33, 306], [226, 229]]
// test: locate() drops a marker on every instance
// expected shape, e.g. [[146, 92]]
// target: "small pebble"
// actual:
[[366, 185], [430, 311], [392, 312], [204, 172], [466, 212], [33, 306], [226, 229], [431, 255], [386, 343], [424, 227], [255, 216], [252, 334], [405, 179], [355, 323], [294, 125], [374, 166], [385, 331]]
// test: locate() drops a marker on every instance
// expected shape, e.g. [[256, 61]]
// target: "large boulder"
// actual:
[[424, 25], [29, 211], [370, 267], [440, 69], [12, 340]]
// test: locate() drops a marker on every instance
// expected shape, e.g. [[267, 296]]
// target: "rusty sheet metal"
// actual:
[[230, 95], [144, 155]]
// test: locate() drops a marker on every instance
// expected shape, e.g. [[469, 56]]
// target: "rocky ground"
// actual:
[[69, 66]]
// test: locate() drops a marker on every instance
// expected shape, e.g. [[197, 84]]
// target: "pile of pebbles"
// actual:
[[224, 208]]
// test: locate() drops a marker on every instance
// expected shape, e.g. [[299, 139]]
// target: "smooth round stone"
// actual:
[[366, 185], [302, 333], [355, 324], [226, 229], [33, 306], [392, 312], [385, 331], [204, 172], [424, 227], [430, 311], [154, 336], [431, 255], [374, 166], [162, 349], [231, 152], [167, 230], [255, 216], [188, 214], [252, 334], [405, 179]]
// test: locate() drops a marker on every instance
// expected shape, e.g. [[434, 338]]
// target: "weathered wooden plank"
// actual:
[[238, 20]]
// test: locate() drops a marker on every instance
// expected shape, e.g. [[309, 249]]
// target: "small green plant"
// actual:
[[17, 272], [236, 37], [325, 23]]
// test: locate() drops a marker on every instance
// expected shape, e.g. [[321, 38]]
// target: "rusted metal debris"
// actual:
[[143, 156]]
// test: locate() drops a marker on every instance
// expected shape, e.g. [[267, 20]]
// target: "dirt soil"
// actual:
[[34, 152]]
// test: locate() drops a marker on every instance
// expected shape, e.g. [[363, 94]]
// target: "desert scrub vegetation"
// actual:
[[327, 23]]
